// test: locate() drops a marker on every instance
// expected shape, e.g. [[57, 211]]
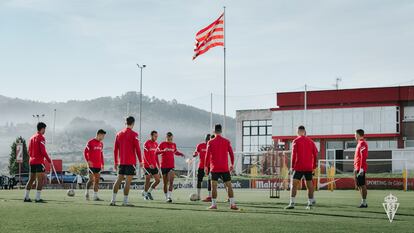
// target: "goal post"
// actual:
[[267, 169], [382, 174]]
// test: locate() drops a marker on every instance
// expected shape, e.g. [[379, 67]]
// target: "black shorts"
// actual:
[[37, 168], [165, 171], [94, 170], [360, 180], [224, 176], [298, 175], [200, 174], [151, 171], [127, 170]]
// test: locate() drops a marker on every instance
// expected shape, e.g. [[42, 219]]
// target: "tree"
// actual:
[[13, 165], [79, 169]]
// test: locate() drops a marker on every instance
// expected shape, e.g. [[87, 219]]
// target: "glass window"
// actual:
[[383, 144], [262, 123], [246, 130], [350, 145], [262, 140], [393, 144], [269, 140], [269, 130], [338, 145], [246, 141], [262, 130], [372, 144], [254, 148], [254, 130], [246, 159], [254, 141], [409, 143], [257, 134], [398, 120]]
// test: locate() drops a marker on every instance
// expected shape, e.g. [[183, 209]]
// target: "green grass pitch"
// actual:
[[335, 212]]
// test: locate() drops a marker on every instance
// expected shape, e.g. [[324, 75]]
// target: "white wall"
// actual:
[[407, 154], [336, 121]]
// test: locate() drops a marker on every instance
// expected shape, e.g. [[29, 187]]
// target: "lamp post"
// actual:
[[141, 67]]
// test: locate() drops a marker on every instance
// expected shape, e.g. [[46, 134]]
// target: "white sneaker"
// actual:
[[127, 204], [290, 206]]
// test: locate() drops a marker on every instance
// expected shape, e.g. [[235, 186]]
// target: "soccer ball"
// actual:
[[71, 193], [193, 197]]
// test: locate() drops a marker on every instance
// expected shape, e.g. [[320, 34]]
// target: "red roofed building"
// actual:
[[331, 118], [386, 114]]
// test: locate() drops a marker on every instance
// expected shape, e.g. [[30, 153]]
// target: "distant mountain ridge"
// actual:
[[157, 113], [76, 121]]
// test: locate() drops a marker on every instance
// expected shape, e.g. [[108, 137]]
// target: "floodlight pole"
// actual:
[[140, 100]]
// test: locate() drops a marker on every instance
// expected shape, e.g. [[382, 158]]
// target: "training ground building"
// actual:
[[331, 118]]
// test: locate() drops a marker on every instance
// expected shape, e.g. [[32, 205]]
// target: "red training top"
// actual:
[[304, 154], [361, 155], [37, 150], [126, 148], [93, 153], [150, 154], [217, 155], [167, 150], [201, 150]]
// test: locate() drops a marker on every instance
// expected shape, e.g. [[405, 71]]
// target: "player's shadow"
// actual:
[[398, 213], [256, 208], [276, 211], [279, 208]]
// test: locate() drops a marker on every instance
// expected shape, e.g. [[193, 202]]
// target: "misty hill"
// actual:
[[77, 121]]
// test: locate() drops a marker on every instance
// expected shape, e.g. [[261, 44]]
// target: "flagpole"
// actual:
[[224, 53], [211, 113]]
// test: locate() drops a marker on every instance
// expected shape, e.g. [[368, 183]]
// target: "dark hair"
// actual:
[[208, 136], [212, 136], [40, 126], [301, 127], [360, 132], [218, 128], [101, 131], [130, 120], [153, 132], [169, 134]]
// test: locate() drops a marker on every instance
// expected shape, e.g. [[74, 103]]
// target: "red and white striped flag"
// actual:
[[209, 37]]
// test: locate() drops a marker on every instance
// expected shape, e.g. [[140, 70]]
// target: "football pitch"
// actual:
[[334, 212]]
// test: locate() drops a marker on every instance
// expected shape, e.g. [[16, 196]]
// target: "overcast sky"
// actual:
[[53, 50]]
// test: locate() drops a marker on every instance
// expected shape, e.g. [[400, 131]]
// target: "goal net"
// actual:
[[381, 174], [267, 169]]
